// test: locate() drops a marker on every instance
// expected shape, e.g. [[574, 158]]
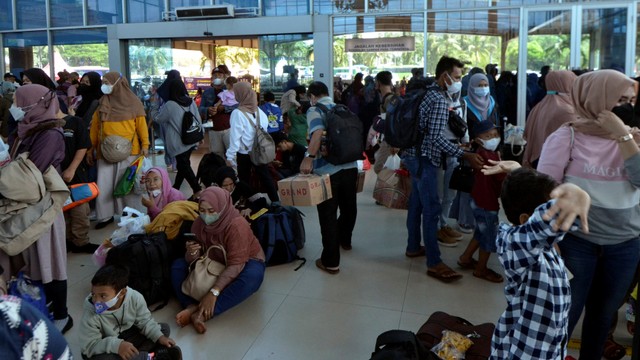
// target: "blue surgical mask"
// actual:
[[482, 91], [210, 218], [16, 112], [104, 306], [455, 86]]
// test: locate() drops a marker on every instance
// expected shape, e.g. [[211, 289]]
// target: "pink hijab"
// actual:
[[40, 105], [594, 92], [550, 113], [164, 198], [220, 201]]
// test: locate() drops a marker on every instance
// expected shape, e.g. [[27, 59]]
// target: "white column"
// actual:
[[323, 50]]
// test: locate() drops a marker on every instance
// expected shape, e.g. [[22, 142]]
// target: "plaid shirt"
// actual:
[[434, 117], [536, 321]]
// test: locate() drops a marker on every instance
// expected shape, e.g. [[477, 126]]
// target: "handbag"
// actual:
[[203, 274], [115, 148], [462, 178], [514, 135]]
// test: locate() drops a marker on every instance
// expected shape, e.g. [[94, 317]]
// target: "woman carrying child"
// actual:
[[219, 224]]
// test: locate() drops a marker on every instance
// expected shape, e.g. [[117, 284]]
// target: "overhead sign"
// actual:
[[403, 43]]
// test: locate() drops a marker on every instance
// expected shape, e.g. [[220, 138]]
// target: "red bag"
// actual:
[[431, 332]]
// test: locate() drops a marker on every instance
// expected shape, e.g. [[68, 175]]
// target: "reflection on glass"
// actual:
[[104, 12], [278, 54], [32, 14], [549, 40], [66, 13], [285, 7], [185, 3], [149, 58], [6, 17], [81, 50], [140, 11], [338, 6], [604, 38]]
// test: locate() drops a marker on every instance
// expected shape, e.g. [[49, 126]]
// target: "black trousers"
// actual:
[[338, 229], [244, 174], [183, 164], [139, 340]]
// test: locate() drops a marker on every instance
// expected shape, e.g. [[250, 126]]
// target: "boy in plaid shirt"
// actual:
[[535, 323]]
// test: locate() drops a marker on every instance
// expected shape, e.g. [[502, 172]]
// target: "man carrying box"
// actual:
[[336, 230]]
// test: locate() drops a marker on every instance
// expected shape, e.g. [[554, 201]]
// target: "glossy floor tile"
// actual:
[[308, 314]]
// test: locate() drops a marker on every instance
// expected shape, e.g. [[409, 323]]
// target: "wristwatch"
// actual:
[[306, 154], [215, 292], [625, 138]]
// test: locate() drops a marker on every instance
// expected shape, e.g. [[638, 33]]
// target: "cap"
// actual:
[[10, 74], [216, 70], [482, 127]]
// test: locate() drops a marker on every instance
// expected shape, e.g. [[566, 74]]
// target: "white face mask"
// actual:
[[108, 89], [455, 86], [104, 306], [491, 144], [16, 112], [217, 81], [482, 91], [155, 193]]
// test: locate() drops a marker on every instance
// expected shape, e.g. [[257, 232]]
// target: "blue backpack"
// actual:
[[278, 232]]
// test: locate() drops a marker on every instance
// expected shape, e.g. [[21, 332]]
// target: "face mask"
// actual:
[[83, 89], [491, 144], [156, 193], [626, 114], [104, 306], [16, 112], [217, 81], [454, 87], [481, 91], [106, 89], [210, 218]]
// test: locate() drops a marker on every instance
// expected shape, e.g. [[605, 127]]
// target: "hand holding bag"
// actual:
[[203, 274]]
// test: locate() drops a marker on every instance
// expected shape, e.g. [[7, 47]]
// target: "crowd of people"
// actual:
[[572, 244]]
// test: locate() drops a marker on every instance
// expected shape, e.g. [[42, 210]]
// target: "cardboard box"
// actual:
[[361, 177], [304, 190]]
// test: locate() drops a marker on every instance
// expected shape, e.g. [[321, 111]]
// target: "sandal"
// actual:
[[471, 265], [444, 273], [613, 350], [489, 275]]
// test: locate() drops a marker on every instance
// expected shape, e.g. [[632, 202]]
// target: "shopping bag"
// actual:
[[139, 186], [126, 182], [392, 189]]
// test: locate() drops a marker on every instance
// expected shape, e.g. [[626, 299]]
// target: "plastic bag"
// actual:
[[393, 162], [5, 158], [140, 187], [30, 291], [131, 222], [453, 346], [99, 256], [126, 183]]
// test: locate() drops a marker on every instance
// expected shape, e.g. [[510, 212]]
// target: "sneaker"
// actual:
[[88, 248], [452, 233], [64, 324], [445, 240], [168, 353], [465, 229]]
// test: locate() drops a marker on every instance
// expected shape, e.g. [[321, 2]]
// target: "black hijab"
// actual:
[[38, 76], [178, 93], [89, 93], [163, 91]]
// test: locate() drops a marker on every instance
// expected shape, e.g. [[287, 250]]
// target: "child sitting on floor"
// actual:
[[160, 191], [535, 323], [116, 323]]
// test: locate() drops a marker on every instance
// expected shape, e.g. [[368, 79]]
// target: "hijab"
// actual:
[[89, 93], [479, 102], [178, 93], [220, 201], [164, 89], [246, 97], [550, 113], [594, 92], [223, 173], [38, 76], [122, 104], [40, 105], [162, 200]]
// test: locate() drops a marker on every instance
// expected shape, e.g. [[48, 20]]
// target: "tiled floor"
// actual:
[[308, 314]]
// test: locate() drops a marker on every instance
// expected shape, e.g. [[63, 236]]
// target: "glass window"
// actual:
[[149, 59], [66, 13], [6, 15], [81, 50], [393, 5], [637, 69], [141, 11], [104, 12], [338, 6], [285, 7], [549, 40], [186, 3], [32, 14], [26, 50], [280, 55], [604, 38]]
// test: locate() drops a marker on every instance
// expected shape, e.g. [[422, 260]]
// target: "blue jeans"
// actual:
[[424, 208], [447, 195], [602, 276], [247, 282], [486, 229]]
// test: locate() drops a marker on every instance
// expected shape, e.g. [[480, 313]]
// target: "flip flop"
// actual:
[[444, 274], [613, 350], [471, 265], [490, 276]]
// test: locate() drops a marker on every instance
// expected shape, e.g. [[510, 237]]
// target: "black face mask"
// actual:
[[627, 114], [83, 89]]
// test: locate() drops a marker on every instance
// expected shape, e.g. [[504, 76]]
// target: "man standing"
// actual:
[[219, 134], [425, 160], [336, 230]]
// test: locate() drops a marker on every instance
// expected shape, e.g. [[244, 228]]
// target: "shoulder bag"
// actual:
[[203, 274], [115, 148]]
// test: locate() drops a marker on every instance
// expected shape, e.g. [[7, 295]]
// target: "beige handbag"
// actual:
[[203, 275], [115, 148]]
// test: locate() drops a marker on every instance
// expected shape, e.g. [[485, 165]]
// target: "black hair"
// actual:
[[268, 96], [279, 136], [446, 64], [384, 78], [523, 190], [318, 89], [300, 89], [116, 276]]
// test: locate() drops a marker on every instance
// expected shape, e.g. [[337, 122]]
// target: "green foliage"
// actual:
[[85, 54]]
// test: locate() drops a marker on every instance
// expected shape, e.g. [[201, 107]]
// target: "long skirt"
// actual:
[[109, 174]]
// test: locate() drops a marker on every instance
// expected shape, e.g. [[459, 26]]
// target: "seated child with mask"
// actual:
[[160, 191]]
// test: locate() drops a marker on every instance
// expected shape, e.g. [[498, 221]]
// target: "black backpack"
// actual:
[[191, 129], [149, 263], [297, 226], [402, 122], [275, 233], [399, 345], [344, 134]]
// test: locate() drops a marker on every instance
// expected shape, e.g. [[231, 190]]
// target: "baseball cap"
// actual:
[[482, 127]]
